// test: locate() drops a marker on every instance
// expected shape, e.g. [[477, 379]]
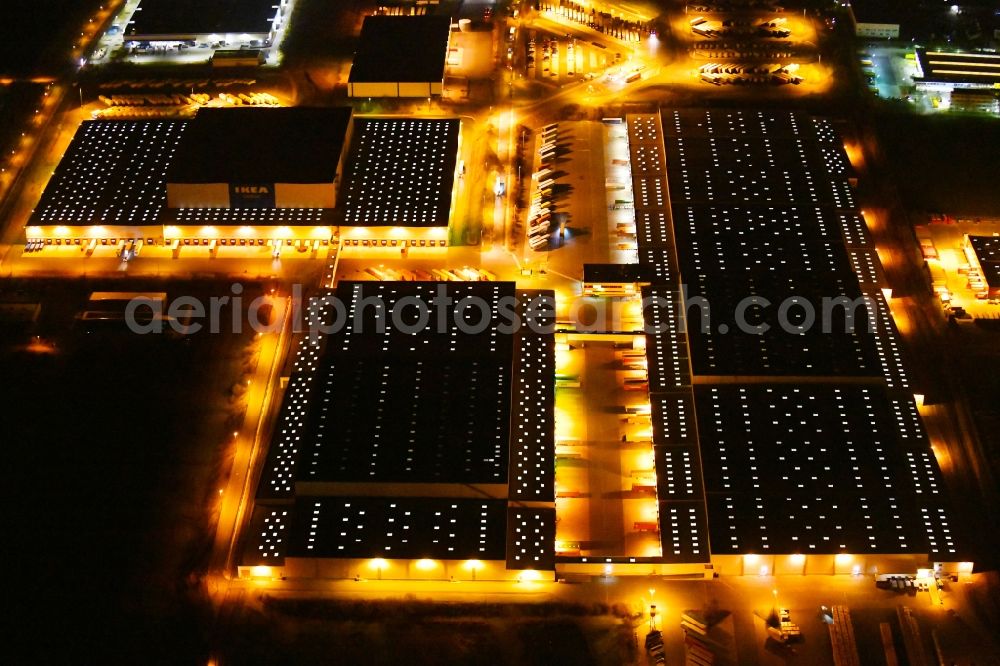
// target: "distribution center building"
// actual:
[[400, 56], [877, 19], [400, 180], [110, 183], [941, 70], [778, 448], [260, 158], [213, 21], [254, 177], [424, 453], [983, 253]]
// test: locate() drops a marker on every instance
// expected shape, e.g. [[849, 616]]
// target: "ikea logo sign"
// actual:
[[251, 195]]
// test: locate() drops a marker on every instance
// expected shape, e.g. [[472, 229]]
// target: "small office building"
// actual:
[[877, 19]]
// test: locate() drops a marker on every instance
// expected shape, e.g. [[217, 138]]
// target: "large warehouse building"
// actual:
[[424, 453], [941, 70], [813, 455], [400, 56], [983, 253], [399, 181], [260, 158], [232, 22], [254, 177], [110, 184], [777, 447]]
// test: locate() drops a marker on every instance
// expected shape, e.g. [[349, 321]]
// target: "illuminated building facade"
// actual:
[[307, 177], [414, 454], [812, 452]]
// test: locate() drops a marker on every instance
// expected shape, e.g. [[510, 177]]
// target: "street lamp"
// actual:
[[262, 571], [474, 566], [378, 564]]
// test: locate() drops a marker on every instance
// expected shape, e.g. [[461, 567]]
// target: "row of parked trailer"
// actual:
[[751, 79], [903, 583], [738, 68], [742, 51], [739, 5], [466, 274], [540, 213], [731, 28], [718, 73], [194, 99]]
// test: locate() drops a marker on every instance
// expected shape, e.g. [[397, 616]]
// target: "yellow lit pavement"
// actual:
[[952, 258], [747, 601], [249, 443], [605, 482]]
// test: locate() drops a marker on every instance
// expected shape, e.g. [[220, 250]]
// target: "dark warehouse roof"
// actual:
[[411, 49], [269, 145], [202, 17], [819, 468]]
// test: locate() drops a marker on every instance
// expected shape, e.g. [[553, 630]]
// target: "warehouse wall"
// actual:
[[391, 569], [422, 89], [216, 195], [206, 195], [824, 564], [295, 195], [395, 89]]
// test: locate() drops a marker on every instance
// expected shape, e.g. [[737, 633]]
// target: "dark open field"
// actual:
[[18, 103], [36, 35], [409, 632], [113, 455], [947, 164]]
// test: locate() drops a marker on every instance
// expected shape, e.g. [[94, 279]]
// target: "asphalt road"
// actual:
[[251, 440]]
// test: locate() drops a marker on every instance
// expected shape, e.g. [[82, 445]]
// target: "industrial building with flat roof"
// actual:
[[415, 449], [220, 20], [758, 202], [401, 172], [450, 391], [985, 257], [941, 70], [260, 158], [879, 19], [400, 56], [777, 451], [112, 175], [254, 177], [819, 469]]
